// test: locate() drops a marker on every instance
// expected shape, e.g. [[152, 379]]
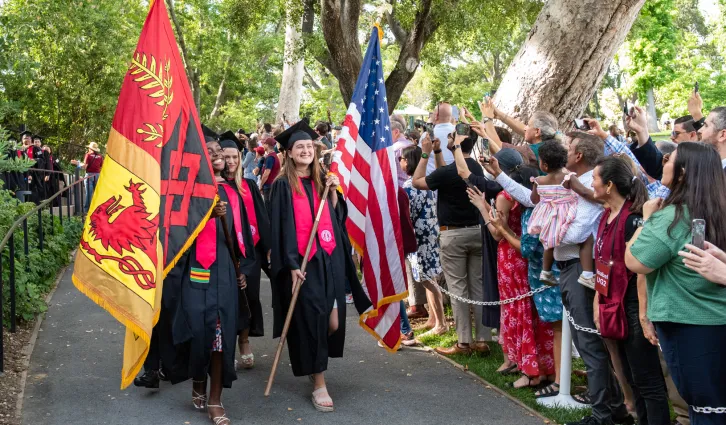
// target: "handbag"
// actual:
[[613, 323]]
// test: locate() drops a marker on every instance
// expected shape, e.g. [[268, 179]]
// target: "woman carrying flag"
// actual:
[[255, 214], [317, 330], [206, 322]]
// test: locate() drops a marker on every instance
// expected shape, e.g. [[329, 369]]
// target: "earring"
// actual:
[[608, 191]]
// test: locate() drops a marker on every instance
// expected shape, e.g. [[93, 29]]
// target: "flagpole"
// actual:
[[296, 292]]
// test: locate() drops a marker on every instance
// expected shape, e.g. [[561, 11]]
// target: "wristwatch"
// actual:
[[424, 155], [640, 222], [437, 151], [485, 120], [455, 147]]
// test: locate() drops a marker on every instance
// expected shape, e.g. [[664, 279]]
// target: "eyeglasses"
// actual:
[[676, 133]]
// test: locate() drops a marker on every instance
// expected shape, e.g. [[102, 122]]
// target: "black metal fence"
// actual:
[[76, 196]]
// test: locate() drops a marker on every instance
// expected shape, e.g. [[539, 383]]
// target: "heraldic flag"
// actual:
[[155, 192]]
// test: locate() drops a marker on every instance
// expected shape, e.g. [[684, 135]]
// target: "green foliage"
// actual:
[[10, 162], [652, 46], [34, 275], [63, 63]]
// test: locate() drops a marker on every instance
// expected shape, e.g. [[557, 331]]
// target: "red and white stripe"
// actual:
[[368, 181]]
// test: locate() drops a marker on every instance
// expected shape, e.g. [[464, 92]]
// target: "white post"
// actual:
[[564, 399]]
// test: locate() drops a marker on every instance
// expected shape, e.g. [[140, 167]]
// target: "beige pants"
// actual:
[[461, 261], [416, 291]]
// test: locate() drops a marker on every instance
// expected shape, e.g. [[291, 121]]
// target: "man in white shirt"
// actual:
[[443, 127], [583, 151]]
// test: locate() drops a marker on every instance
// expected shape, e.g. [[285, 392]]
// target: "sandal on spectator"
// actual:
[[531, 382], [550, 390], [509, 370], [582, 398]]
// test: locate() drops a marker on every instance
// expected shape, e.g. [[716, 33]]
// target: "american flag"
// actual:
[[366, 165]]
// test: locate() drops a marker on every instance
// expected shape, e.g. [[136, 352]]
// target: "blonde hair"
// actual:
[[289, 171], [239, 179]]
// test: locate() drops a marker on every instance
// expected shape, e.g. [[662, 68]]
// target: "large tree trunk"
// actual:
[[293, 71], [652, 117], [565, 56]]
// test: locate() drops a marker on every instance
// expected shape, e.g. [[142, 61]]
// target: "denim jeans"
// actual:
[[405, 324], [90, 188], [695, 354]]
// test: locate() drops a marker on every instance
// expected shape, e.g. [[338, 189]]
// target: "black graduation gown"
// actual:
[[53, 184], [201, 304], [308, 341], [256, 322], [37, 185]]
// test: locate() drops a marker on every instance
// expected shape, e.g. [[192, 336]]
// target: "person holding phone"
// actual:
[[686, 313]]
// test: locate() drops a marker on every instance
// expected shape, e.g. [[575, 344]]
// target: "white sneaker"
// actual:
[[548, 278], [588, 282], [349, 298]]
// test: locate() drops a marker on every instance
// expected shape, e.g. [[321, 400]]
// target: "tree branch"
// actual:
[[398, 32], [180, 38], [311, 80], [220, 91]]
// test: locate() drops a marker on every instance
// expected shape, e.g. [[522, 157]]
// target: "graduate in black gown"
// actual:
[[256, 215], [52, 182], [37, 183], [205, 323], [317, 331]]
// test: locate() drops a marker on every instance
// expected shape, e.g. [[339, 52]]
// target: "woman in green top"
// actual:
[[688, 311]]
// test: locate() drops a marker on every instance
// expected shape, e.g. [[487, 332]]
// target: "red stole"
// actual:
[[251, 214], [304, 222], [30, 152], [206, 251]]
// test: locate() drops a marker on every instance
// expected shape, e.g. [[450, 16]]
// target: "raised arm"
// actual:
[[418, 180]]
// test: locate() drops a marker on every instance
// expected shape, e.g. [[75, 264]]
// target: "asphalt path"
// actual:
[[75, 369]]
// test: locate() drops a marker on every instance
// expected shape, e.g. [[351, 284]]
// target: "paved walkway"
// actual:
[[75, 368]]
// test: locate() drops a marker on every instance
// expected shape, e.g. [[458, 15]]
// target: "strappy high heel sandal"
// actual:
[[199, 400], [219, 420], [247, 360]]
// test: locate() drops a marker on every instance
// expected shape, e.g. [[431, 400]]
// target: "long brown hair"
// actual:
[[618, 171], [290, 173], [699, 183]]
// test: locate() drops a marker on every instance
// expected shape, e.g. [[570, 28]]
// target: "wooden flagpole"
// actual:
[[296, 292]]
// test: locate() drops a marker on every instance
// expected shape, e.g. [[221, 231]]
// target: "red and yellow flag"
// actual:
[[154, 194]]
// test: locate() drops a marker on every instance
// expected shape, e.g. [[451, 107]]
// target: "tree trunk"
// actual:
[[293, 71], [565, 56], [652, 117], [220, 91]]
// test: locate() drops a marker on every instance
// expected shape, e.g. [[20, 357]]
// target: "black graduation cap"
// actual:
[[229, 140], [299, 131], [209, 134], [37, 136], [26, 132]]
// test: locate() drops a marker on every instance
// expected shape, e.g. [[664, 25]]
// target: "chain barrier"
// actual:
[[709, 409], [491, 303], [578, 327]]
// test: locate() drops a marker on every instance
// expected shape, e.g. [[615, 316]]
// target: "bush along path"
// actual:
[[35, 277]]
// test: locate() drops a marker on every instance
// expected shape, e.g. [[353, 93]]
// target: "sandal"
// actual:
[[317, 399], [509, 370], [219, 420], [582, 398], [550, 390], [247, 361], [529, 382], [199, 400]]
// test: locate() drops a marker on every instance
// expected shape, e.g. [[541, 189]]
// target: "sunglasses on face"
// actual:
[[676, 133]]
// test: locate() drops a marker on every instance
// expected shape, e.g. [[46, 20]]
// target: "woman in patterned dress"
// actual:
[[424, 264], [526, 341]]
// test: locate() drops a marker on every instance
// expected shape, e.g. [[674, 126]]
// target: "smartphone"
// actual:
[[429, 127], [695, 87], [463, 129], [494, 208], [469, 184], [455, 113], [626, 111], [581, 125], [698, 233]]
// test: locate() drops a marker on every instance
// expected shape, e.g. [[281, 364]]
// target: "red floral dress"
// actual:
[[525, 339]]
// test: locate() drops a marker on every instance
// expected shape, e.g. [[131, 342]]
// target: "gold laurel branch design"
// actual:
[[145, 73]]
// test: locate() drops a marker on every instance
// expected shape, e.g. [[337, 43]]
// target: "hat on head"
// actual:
[[26, 133], [37, 136], [299, 131], [94, 147], [508, 159], [270, 141], [260, 150], [229, 140], [209, 134]]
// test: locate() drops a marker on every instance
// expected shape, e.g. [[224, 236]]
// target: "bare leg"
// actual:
[[586, 255], [557, 351], [333, 322], [548, 259], [244, 342], [436, 305], [323, 398], [214, 407]]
